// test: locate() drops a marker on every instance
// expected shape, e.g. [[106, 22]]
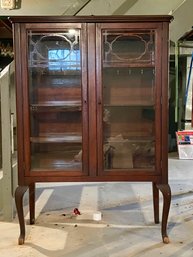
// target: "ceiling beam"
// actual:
[[183, 21], [124, 7], [76, 7]]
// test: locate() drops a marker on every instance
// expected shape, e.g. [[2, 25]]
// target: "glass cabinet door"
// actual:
[[128, 97], [55, 100]]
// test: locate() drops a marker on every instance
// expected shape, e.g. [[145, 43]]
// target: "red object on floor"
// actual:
[[76, 211]]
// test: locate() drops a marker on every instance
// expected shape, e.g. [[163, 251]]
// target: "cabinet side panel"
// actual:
[[19, 98], [165, 83]]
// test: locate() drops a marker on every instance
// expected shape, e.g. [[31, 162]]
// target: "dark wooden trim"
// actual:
[[92, 18], [19, 104], [165, 105], [80, 178], [85, 103], [92, 100]]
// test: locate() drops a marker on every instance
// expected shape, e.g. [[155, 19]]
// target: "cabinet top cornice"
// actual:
[[92, 18]]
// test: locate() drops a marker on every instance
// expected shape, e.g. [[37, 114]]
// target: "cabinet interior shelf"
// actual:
[[113, 64], [57, 139], [58, 103], [132, 140], [56, 106], [54, 160], [137, 104]]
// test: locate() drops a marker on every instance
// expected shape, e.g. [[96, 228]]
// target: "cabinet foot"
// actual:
[[166, 240], [21, 239], [19, 193], [166, 191]]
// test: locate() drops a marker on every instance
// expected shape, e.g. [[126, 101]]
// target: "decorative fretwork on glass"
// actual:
[[55, 51], [129, 47]]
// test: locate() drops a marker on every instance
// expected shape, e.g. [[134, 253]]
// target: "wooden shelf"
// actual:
[[53, 106], [137, 104], [57, 80], [56, 139], [54, 161], [114, 64], [58, 103], [132, 140]]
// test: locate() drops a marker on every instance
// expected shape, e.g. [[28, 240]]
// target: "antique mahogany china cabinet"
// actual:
[[92, 103]]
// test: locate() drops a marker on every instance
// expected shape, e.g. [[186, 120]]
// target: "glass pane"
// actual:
[[55, 100], [128, 100]]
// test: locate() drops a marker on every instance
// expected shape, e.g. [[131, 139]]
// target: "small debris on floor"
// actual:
[[76, 211]]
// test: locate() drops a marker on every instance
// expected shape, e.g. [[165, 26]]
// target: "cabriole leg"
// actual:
[[155, 203], [166, 191], [19, 193], [32, 202]]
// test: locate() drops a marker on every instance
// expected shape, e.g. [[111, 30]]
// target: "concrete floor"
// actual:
[[126, 228]]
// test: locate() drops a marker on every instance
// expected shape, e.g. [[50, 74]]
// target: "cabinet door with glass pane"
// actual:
[[130, 100], [56, 100]]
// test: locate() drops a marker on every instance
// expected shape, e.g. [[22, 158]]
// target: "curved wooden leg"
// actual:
[[19, 193], [166, 191], [32, 203], [155, 203]]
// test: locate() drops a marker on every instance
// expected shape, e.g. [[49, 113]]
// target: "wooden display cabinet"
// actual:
[[92, 103]]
